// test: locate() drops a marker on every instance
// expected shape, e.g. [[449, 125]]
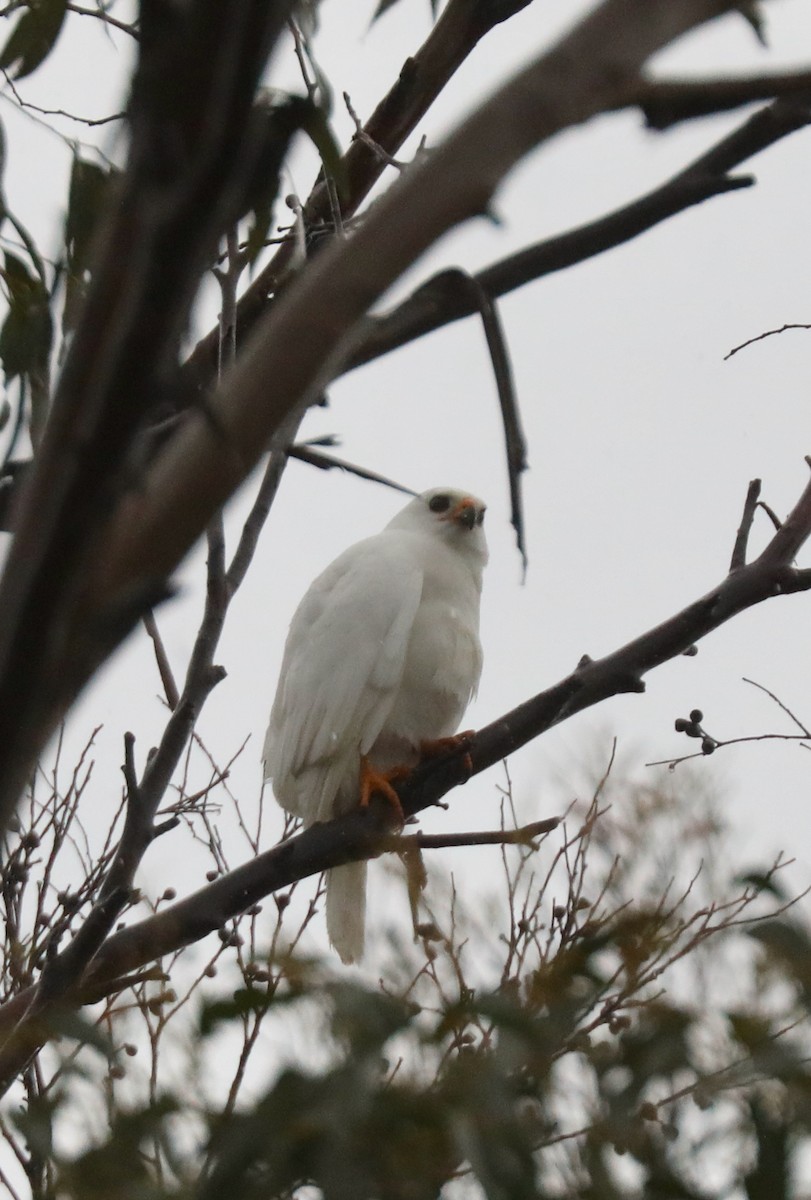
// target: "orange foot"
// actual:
[[374, 781], [435, 747]]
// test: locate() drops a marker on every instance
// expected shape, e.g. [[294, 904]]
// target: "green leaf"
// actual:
[[319, 131], [117, 1169], [33, 37], [486, 1131], [73, 1025], [258, 231], [35, 1122], [762, 881], [769, 1178], [366, 1020], [752, 13], [89, 191], [25, 338], [790, 947], [2, 154], [244, 1002], [656, 1047], [750, 1029], [382, 7], [27, 335]]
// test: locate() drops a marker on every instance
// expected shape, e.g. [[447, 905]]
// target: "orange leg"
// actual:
[[374, 781], [435, 747]]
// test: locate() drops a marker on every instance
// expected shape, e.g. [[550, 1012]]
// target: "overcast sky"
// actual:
[[642, 439]]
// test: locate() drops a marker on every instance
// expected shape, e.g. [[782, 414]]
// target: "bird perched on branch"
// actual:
[[382, 658]]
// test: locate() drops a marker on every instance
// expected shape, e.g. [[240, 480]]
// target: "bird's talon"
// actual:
[[437, 747], [379, 782]]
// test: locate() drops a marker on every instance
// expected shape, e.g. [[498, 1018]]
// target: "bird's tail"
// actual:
[[346, 909]]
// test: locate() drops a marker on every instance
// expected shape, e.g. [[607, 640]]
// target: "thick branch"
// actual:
[[191, 152], [434, 304], [667, 102], [365, 833], [307, 337], [460, 27]]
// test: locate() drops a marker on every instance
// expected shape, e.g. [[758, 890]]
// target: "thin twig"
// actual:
[[762, 336], [369, 141], [792, 716], [101, 14], [524, 836], [162, 659], [738, 559], [327, 462], [515, 441]]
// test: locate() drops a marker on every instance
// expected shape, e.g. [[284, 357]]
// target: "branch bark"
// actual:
[[433, 304], [366, 832], [667, 102], [191, 152], [308, 334], [459, 29]]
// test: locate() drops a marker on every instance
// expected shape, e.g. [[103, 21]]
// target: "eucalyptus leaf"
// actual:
[[33, 37]]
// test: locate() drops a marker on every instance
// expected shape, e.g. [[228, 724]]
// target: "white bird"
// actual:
[[382, 656]]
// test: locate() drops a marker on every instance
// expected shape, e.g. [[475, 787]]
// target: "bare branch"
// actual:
[[791, 715], [460, 27], [742, 537], [516, 446], [523, 836], [432, 305], [667, 102], [198, 469], [366, 832], [762, 336], [193, 90], [162, 659], [305, 453]]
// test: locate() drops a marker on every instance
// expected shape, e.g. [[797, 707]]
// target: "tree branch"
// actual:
[[523, 836], [192, 148], [434, 304], [460, 27], [366, 832], [307, 336], [667, 102]]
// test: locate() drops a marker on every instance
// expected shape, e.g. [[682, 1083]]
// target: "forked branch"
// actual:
[[367, 832]]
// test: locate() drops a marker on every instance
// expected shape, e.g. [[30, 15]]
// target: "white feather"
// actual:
[[382, 654]]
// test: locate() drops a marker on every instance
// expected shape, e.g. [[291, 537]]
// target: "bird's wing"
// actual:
[[342, 665]]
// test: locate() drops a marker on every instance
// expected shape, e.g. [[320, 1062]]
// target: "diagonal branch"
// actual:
[[515, 442], [423, 76], [666, 102], [366, 832], [433, 305], [308, 334], [192, 148]]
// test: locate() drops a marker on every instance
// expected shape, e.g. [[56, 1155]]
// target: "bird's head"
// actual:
[[454, 516]]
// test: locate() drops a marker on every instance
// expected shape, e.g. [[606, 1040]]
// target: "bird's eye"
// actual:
[[480, 515], [439, 504]]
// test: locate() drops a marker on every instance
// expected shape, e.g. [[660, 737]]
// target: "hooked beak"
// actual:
[[465, 513]]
